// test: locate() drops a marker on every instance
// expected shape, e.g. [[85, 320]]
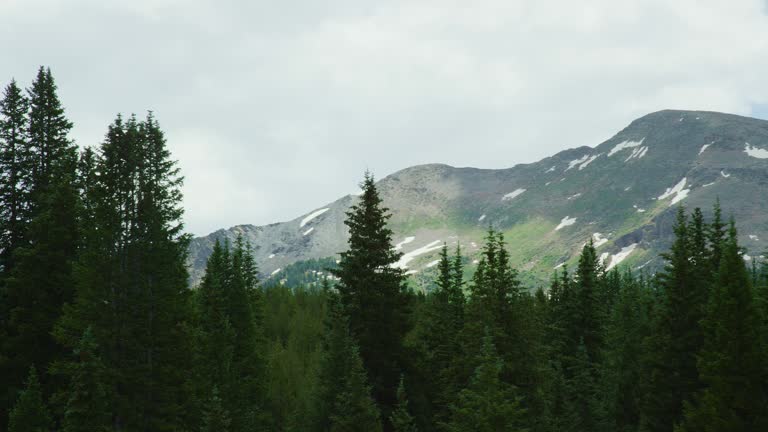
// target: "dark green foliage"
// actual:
[[86, 407], [622, 369], [16, 163], [216, 418], [373, 294], [343, 399], [93, 291], [231, 340], [401, 419], [40, 280], [488, 404], [132, 281], [731, 363], [437, 337], [676, 336], [30, 413]]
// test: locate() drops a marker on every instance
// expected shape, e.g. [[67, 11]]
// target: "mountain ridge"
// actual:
[[620, 192]]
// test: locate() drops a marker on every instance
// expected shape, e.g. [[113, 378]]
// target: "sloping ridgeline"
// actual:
[[621, 193]]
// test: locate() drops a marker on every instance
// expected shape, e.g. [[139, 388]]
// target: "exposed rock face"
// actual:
[[624, 190]]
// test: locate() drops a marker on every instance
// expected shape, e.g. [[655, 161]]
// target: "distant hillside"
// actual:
[[622, 194]]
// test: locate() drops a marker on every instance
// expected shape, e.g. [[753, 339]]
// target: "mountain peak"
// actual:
[[621, 193]]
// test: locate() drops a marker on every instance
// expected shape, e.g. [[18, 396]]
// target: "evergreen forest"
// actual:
[[100, 330]]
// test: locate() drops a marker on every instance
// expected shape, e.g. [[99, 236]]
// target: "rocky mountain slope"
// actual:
[[622, 194]]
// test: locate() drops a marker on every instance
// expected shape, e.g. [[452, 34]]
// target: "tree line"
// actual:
[[99, 330]]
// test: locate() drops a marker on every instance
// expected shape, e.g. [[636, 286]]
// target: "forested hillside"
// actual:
[[100, 330]]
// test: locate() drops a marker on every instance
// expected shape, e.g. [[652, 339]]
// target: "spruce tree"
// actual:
[[401, 419], [86, 408], [15, 184], [622, 369], [443, 319], [216, 417], [342, 399], [132, 279], [354, 410], [488, 404], [16, 164], [40, 281], [732, 362], [30, 414], [373, 294], [676, 337]]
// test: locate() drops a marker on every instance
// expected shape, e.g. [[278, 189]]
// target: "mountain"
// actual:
[[622, 193]]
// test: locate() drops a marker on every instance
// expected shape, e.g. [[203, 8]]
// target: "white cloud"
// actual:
[[267, 100]]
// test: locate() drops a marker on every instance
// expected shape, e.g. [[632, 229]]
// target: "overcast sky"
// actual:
[[274, 108]]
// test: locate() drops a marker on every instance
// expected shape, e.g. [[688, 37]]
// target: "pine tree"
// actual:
[[401, 419], [354, 409], [342, 399], [731, 364], [438, 332], [132, 279], [15, 184], [86, 407], [676, 336], [40, 281], [30, 413], [582, 407], [373, 294], [587, 291], [230, 338], [216, 418], [622, 370], [488, 404], [16, 164]]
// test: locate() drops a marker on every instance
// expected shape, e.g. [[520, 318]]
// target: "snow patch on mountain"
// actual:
[[410, 256], [550, 170], [637, 153], [704, 147], [621, 256], [481, 218], [678, 190], [311, 216], [625, 145], [589, 161], [432, 263], [598, 239], [404, 242], [755, 152], [566, 221], [309, 231], [753, 237], [574, 196], [275, 272], [512, 195], [576, 162], [722, 173]]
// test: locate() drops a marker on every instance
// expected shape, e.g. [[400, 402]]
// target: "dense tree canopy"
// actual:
[[100, 330]]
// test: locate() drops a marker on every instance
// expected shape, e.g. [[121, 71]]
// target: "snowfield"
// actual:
[[311, 216], [409, 256], [566, 221], [678, 190], [512, 195], [621, 256], [755, 152], [625, 145]]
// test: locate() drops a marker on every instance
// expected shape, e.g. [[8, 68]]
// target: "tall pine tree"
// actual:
[[132, 279], [373, 294], [732, 362]]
